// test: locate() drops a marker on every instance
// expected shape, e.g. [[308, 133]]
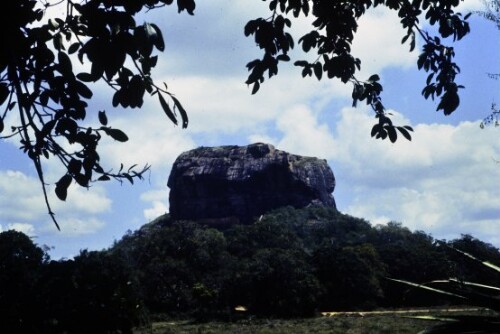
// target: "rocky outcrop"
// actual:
[[239, 183]]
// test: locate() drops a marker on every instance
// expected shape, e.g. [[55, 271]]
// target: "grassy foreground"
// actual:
[[349, 323]]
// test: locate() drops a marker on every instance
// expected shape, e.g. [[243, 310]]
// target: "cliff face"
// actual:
[[239, 183]]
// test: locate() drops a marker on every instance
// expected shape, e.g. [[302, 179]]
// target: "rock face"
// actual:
[[239, 183]]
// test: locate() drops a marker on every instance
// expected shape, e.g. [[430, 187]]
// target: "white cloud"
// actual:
[[153, 140], [262, 138], [433, 149], [304, 135], [378, 43], [444, 182], [154, 195], [22, 205], [87, 201], [158, 209], [27, 229], [226, 105], [21, 198], [157, 200], [470, 5]]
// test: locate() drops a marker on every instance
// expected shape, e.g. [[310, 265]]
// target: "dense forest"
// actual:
[[289, 263]]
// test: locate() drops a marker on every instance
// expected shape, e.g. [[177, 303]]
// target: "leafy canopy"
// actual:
[[39, 79], [330, 39], [48, 67]]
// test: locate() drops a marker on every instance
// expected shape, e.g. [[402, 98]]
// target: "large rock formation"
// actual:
[[242, 182]]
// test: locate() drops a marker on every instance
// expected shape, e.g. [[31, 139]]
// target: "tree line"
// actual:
[[290, 263]]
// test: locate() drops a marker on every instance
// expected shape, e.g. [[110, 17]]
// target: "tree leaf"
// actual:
[[404, 39], [182, 111], [429, 78], [53, 25], [404, 132], [82, 180], [103, 178], [412, 43], [86, 77], [159, 43], [301, 63], [376, 129], [73, 48], [318, 70], [129, 178], [74, 166], [58, 42], [409, 128], [65, 66], [188, 5], [391, 131], [283, 57], [2, 126], [47, 128], [250, 27], [449, 102], [103, 119], [144, 38], [4, 92], [374, 78], [83, 90], [256, 87], [116, 98], [116, 134], [166, 109], [62, 187]]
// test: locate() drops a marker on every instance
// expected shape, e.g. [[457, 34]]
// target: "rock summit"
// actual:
[[240, 183]]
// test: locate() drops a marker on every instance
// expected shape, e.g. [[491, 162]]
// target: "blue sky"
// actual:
[[445, 182]]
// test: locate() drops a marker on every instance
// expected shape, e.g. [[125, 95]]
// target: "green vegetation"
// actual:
[[291, 263], [93, 293]]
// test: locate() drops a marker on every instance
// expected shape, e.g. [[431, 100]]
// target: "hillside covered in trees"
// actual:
[[289, 263]]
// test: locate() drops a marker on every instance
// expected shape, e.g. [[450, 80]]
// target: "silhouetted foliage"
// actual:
[[492, 118], [42, 77], [491, 11], [333, 29], [93, 293], [291, 262], [20, 264]]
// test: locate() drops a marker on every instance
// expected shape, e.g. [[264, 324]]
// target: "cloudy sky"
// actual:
[[446, 181]]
